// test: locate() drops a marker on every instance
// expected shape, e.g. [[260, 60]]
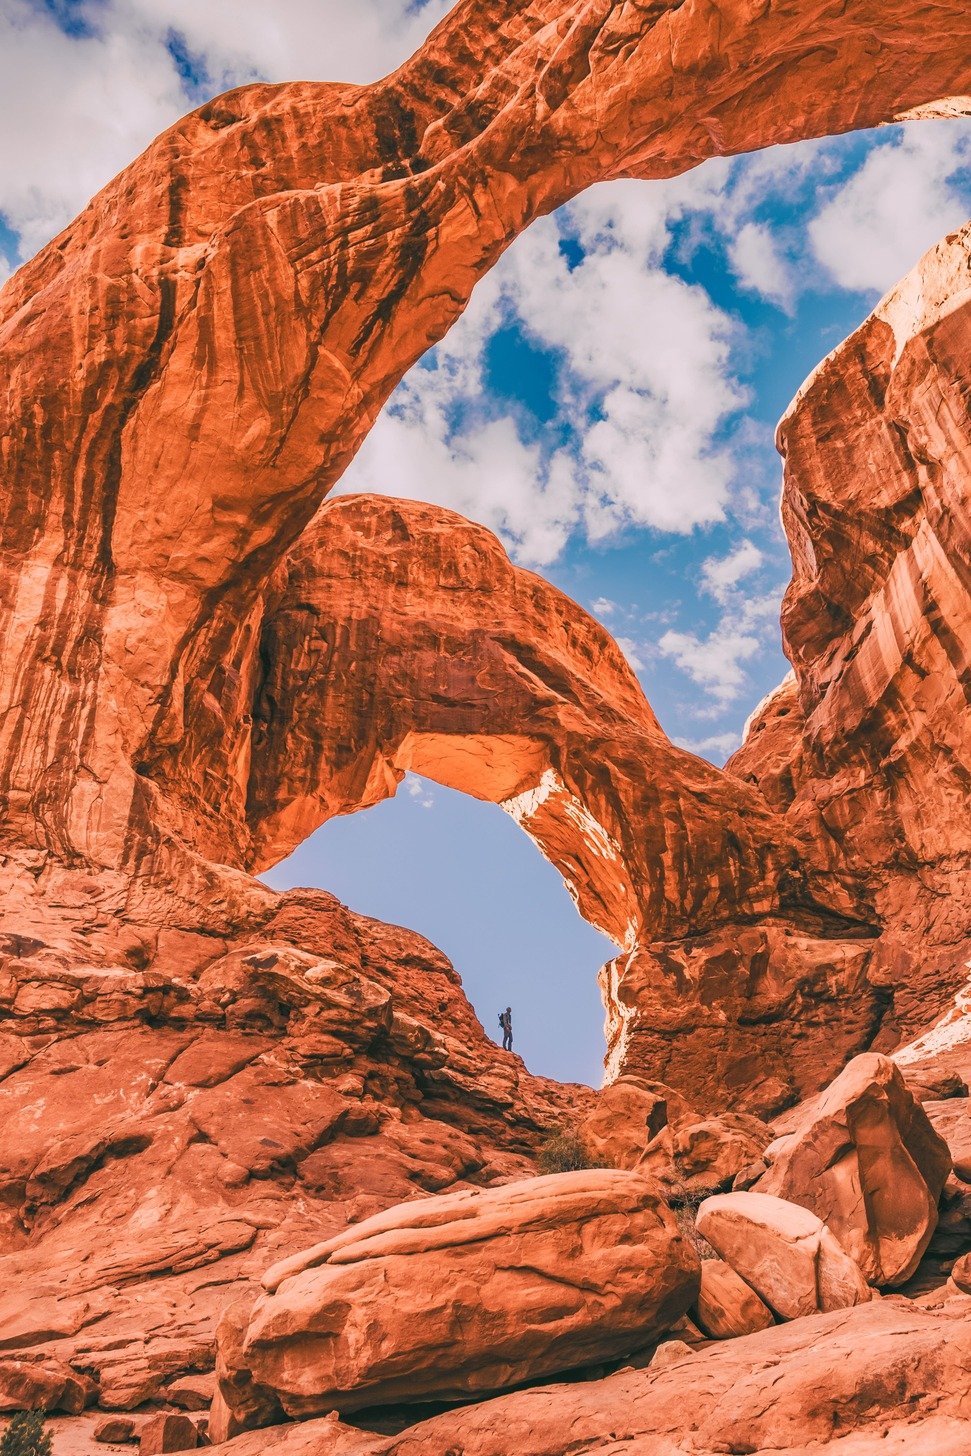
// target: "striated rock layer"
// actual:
[[200, 662], [865, 750], [189, 367]]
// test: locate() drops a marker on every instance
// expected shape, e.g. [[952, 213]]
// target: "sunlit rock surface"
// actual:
[[198, 1077], [867, 751], [461, 1295]]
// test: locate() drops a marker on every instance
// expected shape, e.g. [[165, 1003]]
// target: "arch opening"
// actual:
[[457, 869]]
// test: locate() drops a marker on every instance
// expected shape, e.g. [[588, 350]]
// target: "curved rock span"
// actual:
[[202, 661], [277, 260]]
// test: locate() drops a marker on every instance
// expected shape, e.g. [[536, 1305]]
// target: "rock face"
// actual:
[[200, 1125], [279, 258], [783, 1252], [866, 750], [461, 1295], [864, 1157], [726, 1306], [190, 681], [882, 1379]]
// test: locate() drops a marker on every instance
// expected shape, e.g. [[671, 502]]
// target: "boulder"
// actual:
[[44, 1385], [191, 1392], [934, 1084], [782, 1251], [726, 1305], [711, 1152], [961, 1273], [864, 1158], [456, 1296], [115, 1430], [628, 1127], [167, 1432]]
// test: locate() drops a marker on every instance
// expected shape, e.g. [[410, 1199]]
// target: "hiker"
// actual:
[[505, 1021]]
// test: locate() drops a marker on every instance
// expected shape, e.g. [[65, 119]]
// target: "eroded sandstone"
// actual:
[[459, 1296], [864, 1157]]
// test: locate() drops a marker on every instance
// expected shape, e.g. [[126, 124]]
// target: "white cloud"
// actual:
[[720, 574], [75, 111], [419, 790], [631, 651], [759, 265], [714, 662], [716, 747], [647, 362], [907, 194], [645, 383], [603, 607], [309, 40], [483, 468], [77, 108]]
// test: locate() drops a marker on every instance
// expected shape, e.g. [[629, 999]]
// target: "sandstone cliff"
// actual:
[[865, 751], [201, 662]]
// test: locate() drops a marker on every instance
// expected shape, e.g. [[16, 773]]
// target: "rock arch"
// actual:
[[187, 370]]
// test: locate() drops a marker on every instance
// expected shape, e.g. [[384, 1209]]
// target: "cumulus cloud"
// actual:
[[714, 662], [311, 40], [717, 747], [75, 110], [645, 383], [759, 265], [631, 651], [603, 607], [721, 574], [910, 191], [79, 106]]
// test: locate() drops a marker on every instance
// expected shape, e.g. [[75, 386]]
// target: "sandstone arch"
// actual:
[[188, 368]]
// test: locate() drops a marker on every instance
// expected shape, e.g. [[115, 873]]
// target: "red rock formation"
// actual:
[[865, 1158], [882, 1379], [166, 1137], [192, 363], [459, 1296], [226, 1075], [403, 638], [866, 750], [784, 1252]]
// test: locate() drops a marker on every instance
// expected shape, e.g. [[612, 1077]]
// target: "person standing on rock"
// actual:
[[505, 1021]]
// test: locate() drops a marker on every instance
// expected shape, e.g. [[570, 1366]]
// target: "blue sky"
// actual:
[[607, 404]]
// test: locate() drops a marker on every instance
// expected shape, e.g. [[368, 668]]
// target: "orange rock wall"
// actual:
[[867, 752], [189, 367], [192, 363]]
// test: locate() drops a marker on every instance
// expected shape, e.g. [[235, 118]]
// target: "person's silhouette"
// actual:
[[505, 1021]]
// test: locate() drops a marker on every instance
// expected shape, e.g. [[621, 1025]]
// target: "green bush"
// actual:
[[25, 1436], [563, 1152]]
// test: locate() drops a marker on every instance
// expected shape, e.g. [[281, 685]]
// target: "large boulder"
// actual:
[[782, 1251], [459, 1295], [726, 1306], [865, 1158]]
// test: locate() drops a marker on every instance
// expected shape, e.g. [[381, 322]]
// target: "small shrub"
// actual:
[[25, 1436], [684, 1205], [564, 1152]]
